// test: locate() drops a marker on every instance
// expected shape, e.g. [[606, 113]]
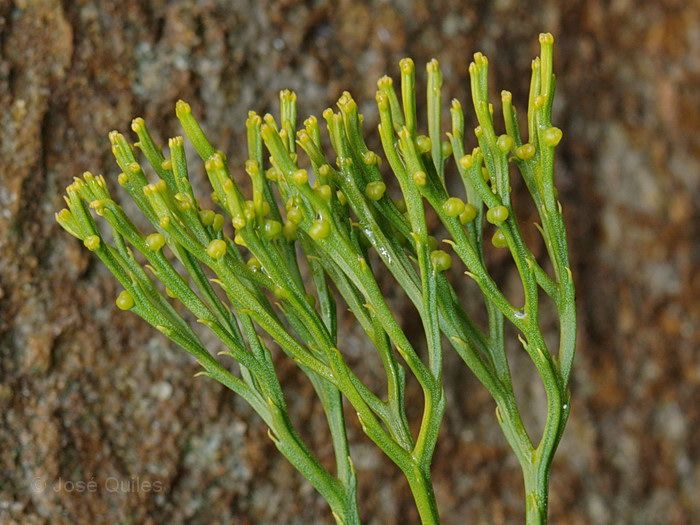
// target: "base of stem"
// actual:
[[536, 500], [422, 488]]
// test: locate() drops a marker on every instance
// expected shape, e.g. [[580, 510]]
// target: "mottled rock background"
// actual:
[[88, 393]]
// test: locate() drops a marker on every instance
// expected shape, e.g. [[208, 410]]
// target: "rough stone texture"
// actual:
[[89, 393]]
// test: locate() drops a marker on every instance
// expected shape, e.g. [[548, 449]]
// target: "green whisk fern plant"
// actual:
[[267, 270]]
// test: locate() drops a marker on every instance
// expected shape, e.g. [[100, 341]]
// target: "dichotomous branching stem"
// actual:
[[276, 262]]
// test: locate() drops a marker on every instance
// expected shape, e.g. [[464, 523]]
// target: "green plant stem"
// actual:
[[536, 496], [422, 489], [535, 463]]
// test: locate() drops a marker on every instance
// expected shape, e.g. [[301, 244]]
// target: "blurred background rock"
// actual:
[[89, 393]]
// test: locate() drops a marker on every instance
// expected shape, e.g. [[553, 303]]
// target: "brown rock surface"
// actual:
[[91, 394]]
